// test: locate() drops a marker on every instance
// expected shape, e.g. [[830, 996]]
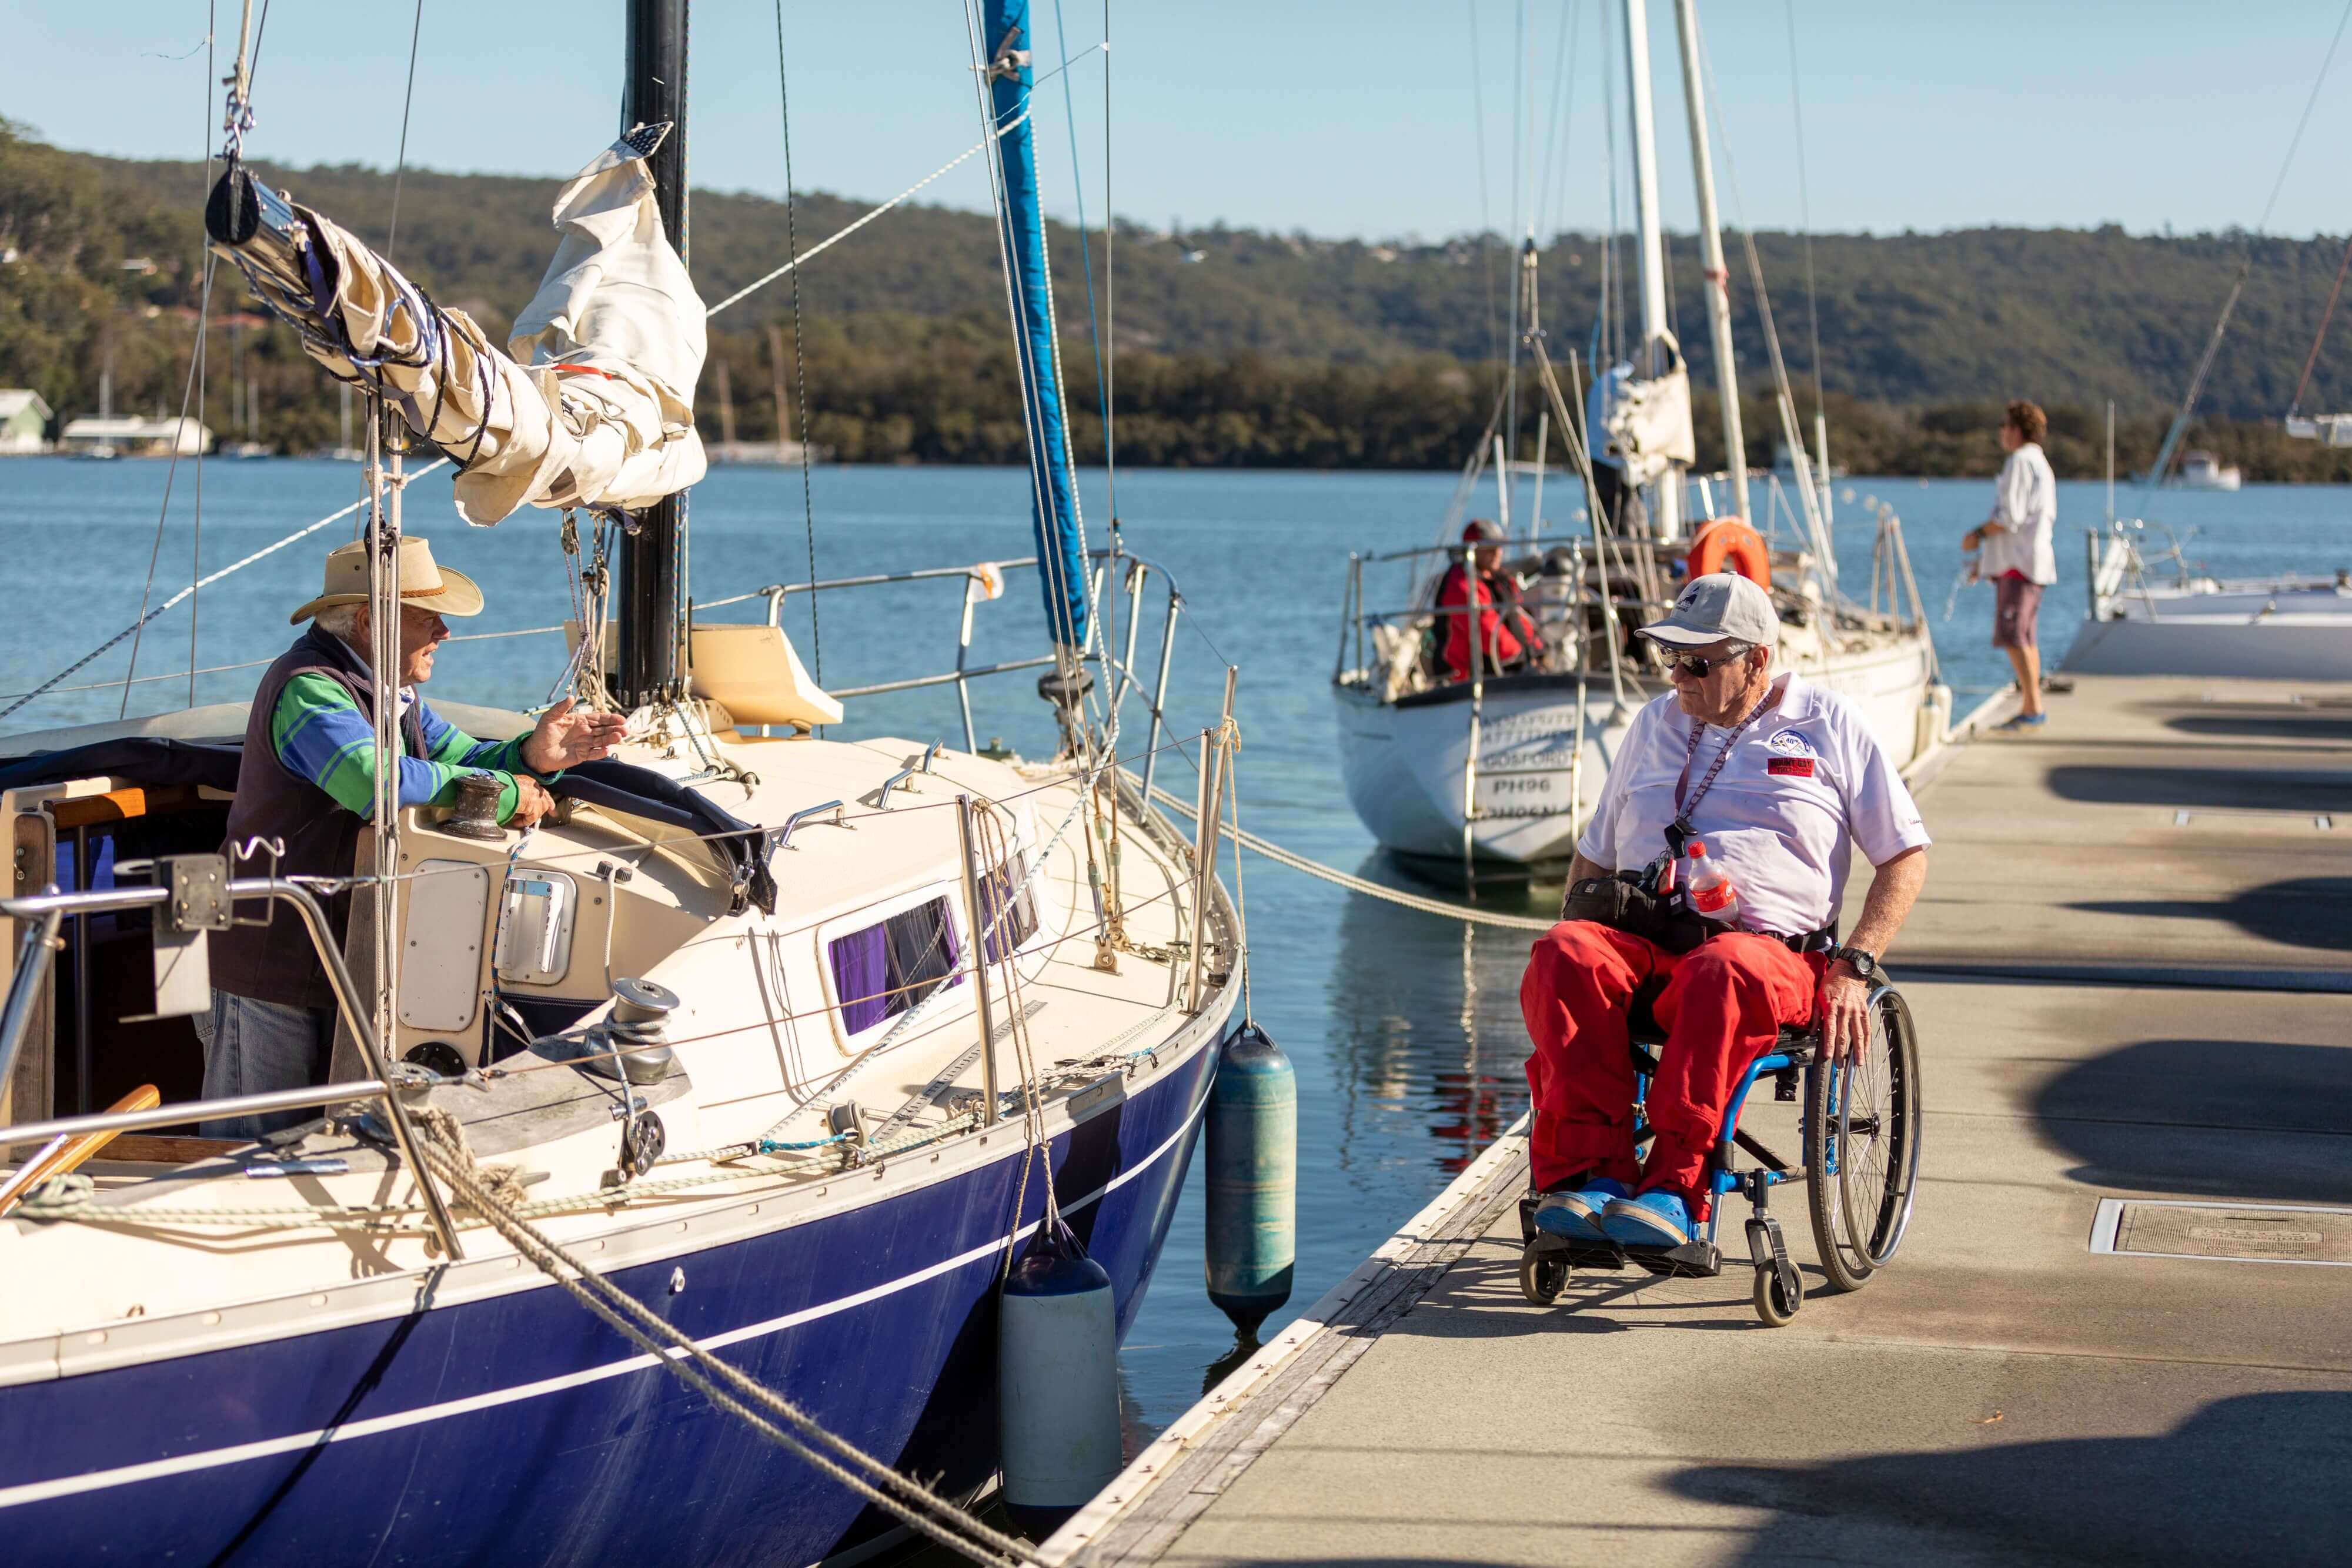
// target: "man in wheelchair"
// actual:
[[1777, 780]]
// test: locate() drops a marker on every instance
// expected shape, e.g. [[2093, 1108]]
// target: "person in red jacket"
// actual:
[[1506, 637]]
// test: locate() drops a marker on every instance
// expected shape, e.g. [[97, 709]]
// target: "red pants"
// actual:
[[1722, 1006]]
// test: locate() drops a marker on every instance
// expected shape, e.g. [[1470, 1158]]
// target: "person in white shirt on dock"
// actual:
[[1781, 781], [2017, 552]]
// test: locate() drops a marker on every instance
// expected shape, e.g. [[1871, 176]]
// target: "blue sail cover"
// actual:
[[1062, 573]]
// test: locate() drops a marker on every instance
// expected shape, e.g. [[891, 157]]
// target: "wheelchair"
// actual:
[[1859, 1129]]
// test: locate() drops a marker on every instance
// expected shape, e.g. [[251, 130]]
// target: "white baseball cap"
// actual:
[[1722, 604]]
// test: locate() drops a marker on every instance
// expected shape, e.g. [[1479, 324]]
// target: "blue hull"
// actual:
[[519, 1429]]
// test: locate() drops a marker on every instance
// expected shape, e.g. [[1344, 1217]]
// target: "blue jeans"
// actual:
[[252, 1047]]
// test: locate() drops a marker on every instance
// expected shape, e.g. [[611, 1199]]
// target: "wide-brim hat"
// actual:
[[440, 589]]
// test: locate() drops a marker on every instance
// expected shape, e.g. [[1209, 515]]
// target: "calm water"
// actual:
[[1405, 1027]]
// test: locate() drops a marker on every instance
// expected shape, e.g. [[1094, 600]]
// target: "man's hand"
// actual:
[[565, 739], [1845, 1013], [532, 802]]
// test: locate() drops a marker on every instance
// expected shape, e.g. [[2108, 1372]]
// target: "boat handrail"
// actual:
[[42, 914], [899, 779], [985, 580]]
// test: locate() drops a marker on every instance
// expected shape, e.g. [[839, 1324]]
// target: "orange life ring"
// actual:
[[1728, 544]]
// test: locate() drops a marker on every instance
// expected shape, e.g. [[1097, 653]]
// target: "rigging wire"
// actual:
[[1520, 137], [1816, 525], [197, 543], [2156, 470], [407, 103], [179, 430], [1485, 222], [823, 246], [1609, 327], [1563, 106], [1805, 213], [1110, 318], [1033, 412], [1086, 257], [2326, 315], [800, 357]]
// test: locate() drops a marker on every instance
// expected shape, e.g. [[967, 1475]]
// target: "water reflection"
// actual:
[[1425, 1026]]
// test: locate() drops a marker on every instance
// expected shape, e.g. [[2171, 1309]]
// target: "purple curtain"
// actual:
[[885, 970], [1006, 930], [923, 952], [861, 978]]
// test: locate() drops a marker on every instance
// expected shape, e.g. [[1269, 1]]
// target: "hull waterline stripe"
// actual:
[[68, 1486]]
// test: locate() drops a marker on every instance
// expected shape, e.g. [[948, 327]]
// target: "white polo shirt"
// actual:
[[1803, 781]]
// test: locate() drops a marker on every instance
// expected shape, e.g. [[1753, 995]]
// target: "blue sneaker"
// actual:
[[1577, 1215], [2023, 721], [1656, 1218]]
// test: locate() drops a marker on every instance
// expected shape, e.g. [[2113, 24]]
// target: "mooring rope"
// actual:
[[1332, 875], [737, 1394]]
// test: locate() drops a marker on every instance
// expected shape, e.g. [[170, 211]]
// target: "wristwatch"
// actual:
[[1864, 962]]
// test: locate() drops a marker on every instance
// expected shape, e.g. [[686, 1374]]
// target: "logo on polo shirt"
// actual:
[[1793, 756]]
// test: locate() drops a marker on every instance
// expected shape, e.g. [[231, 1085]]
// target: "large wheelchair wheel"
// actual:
[[1862, 1147]]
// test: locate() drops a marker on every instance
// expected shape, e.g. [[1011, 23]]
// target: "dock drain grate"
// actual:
[[2231, 1232]]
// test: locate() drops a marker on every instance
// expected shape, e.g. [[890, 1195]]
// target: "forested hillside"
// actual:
[[1234, 348]]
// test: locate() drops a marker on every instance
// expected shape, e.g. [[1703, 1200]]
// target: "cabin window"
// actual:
[[892, 965], [1007, 931]]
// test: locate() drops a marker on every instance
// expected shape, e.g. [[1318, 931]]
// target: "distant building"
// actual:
[[24, 421], [132, 438]]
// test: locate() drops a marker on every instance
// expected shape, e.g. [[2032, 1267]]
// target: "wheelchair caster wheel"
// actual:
[[1542, 1277], [1773, 1304]]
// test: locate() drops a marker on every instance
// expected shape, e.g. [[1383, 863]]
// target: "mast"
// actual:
[[1052, 499], [651, 558], [1666, 514], [1718, 276]]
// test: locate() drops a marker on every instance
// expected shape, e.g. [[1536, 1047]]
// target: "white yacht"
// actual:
[[2145, 621], [2203, 471], [1493, 771]]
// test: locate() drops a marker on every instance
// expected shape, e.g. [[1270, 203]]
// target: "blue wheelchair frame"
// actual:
[[1779, 1291]]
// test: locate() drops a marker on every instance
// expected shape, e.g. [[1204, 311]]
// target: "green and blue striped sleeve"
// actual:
[[319, 734]]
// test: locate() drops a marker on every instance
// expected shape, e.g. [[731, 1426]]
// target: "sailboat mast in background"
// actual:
[[1654, 360], [1717, 278]]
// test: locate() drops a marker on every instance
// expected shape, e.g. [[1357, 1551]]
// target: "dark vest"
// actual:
[[277, 962]]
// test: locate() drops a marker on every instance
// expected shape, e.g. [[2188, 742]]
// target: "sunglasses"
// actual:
[[1696, 665]]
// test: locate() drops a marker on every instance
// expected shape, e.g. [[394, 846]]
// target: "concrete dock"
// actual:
[[2129, 972]]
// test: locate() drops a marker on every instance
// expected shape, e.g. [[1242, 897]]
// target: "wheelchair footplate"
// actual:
[[1547, 1256]]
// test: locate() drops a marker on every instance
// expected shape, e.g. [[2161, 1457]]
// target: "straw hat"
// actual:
[[443, 590]]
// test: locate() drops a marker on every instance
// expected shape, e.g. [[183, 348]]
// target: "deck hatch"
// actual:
[[2228, 1232]]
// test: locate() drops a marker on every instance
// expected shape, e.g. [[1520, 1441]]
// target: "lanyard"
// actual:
[[1682, 808]]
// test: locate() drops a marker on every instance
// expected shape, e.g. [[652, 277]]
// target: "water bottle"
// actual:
[[1706, 887]]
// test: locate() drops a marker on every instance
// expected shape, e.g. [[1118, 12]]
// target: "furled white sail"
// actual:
[[593, 404], [1645, 421]]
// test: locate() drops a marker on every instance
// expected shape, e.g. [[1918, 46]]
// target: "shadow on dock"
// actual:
[[2152, 1115], [2257, 1478]]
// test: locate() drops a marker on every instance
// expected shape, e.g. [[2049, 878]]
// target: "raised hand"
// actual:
[[565, 738]]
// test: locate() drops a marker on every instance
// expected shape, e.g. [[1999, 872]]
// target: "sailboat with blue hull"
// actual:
[[675, 1147]]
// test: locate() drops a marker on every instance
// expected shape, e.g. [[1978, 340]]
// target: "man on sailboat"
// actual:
[[1781, 781], [308, 780], [1506, 639], [2016, 554]]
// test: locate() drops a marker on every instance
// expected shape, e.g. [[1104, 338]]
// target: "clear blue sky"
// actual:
[[1354, 119]]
